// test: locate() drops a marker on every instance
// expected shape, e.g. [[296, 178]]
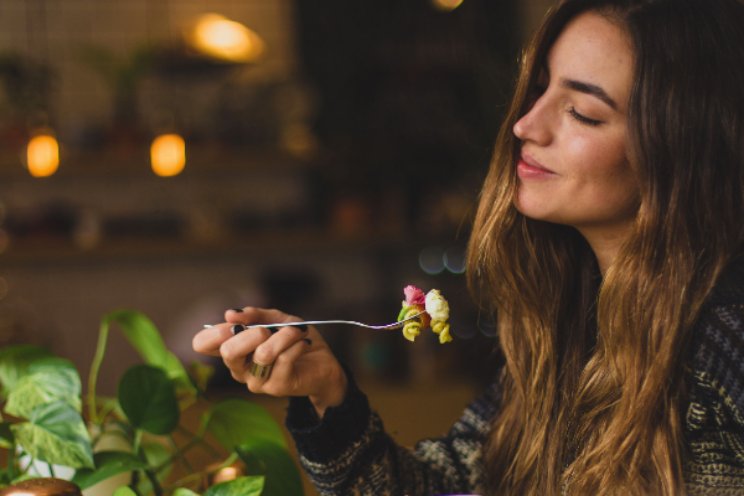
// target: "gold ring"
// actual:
[[260, 371]]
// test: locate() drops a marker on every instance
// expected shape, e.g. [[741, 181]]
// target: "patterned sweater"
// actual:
[[348, 451]]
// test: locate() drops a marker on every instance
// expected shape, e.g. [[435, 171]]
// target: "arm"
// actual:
[[349, 452]]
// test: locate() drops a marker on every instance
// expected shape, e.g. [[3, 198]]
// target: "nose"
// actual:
[[534, 126]]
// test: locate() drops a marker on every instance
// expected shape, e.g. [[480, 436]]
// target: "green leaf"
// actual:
[[145, 338], [156, 455], [6, 436], [251, 431], [275, 463], [242, 486], [108, 464], [148, 399], [181, 491], [202, 373], [48, 379], [234, 422], [124, 491], [55, 433], [14, 362]]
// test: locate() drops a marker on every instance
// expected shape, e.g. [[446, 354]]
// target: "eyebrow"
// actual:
[[589, 89]]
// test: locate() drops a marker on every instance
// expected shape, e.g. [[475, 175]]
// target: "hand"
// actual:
[[302, 363]]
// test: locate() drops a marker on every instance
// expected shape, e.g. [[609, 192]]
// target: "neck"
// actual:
[[606, 242]]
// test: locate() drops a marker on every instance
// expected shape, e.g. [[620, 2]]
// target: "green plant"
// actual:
[[44, 421]]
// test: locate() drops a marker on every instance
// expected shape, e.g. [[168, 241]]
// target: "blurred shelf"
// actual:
[[307, 241]]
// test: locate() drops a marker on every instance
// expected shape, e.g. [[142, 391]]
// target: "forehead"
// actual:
[[593, 49]]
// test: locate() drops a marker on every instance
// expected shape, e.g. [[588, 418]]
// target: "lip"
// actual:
[[528, 168]]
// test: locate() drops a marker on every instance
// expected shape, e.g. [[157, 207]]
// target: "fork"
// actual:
[[384, 327]]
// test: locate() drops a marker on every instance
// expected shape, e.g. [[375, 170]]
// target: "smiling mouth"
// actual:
[[532, 170]]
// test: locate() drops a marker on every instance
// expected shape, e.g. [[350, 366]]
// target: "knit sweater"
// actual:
[[348, 451]]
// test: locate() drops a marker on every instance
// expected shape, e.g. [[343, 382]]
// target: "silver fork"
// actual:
[[384, 327]]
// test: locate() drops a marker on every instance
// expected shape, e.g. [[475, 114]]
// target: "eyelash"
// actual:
[[582, 118]]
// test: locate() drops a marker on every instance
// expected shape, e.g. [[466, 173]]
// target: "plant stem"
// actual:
[[155, 482], [95, 366], [199, 438], [182, 454], [137, 441], [12, 469], [51, 470], [203, 473]]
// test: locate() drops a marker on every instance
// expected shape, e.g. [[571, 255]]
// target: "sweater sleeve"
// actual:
[[349, 452], [719, 359]]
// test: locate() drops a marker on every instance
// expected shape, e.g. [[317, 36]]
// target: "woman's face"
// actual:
[[573, 167]]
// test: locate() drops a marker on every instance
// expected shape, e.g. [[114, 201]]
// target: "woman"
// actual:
[[609, 242]]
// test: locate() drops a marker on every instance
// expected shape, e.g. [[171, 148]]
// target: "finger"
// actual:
[[256, 315], [284, 380], [208, 341], [280, 380], [267, 352], [235, 350]]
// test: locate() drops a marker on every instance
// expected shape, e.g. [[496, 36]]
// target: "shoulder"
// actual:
[[718, 337]]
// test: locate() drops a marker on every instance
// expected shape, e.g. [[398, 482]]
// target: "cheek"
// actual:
[[604, 170]]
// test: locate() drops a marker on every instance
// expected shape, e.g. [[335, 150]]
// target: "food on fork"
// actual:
[[435, 313]]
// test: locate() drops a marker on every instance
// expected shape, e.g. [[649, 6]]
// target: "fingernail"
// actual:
[[302, 327], [239, 310], [237, 328], [308, 341]]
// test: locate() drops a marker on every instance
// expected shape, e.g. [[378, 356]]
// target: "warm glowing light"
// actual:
[[219, 37], [168, 155], [446, 5], [42, 155]]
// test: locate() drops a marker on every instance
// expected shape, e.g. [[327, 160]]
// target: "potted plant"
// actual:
[[137, 441]]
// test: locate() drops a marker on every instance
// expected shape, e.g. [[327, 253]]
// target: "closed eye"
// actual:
[[582, 118]]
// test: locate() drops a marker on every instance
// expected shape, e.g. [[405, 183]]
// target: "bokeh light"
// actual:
[[168, 155], [42, 155], [446, 5], [216, 36]]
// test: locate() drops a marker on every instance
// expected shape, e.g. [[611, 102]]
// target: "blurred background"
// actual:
[[182, 157]]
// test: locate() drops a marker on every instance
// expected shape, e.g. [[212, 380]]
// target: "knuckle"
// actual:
[[282, 360], [263, 354], [254, 386], [227, 351], [236, 376]]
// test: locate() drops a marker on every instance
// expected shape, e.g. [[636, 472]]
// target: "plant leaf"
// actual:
[[108, 464], [55, 433], [124, 491], [242, 486], [275, 463], [6, 436], [235, 422], [247, 428], [181, 491], [14, 362], [142, 334], [48, 379], [156, 455], [148, 399]]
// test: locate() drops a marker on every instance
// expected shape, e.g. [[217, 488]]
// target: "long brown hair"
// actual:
[[593, 382]]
